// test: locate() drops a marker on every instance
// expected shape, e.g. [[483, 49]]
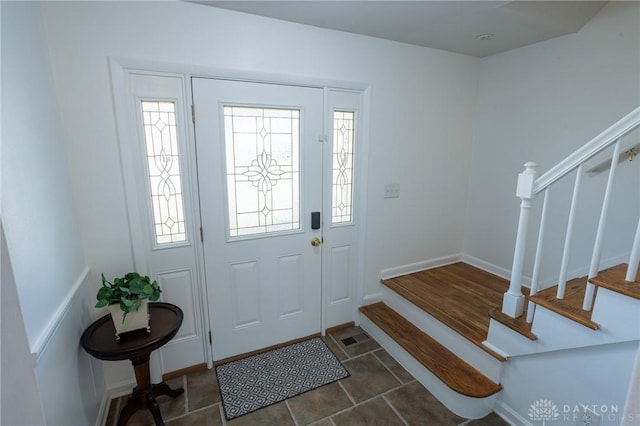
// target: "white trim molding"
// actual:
[[114, 391], [370, 299], [509, 415], [411, 268], [491, 268], [43, 339]]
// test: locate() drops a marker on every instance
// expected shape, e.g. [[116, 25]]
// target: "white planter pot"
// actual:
[[134, 320]]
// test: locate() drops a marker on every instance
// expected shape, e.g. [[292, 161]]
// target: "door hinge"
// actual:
[[201, 235], [193, 113], [322, 138], [210, 339]]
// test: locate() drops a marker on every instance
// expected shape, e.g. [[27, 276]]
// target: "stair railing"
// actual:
[[530, 184]]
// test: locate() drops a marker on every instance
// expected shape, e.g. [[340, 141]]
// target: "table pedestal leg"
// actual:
[[144, 394]]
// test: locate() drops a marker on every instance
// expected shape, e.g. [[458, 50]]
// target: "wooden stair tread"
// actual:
[[519, 325], [613, 279], [444, 364], [458, 295], [569, 307]]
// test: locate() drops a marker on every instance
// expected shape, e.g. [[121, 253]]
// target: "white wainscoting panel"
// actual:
[[71, 383]]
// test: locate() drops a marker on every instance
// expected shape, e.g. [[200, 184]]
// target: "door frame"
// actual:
[[121, 67]]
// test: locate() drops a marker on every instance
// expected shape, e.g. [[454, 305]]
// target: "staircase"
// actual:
[[434, 323], [481, 343]]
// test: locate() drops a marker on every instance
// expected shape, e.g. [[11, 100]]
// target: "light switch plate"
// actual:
[[392, 190]]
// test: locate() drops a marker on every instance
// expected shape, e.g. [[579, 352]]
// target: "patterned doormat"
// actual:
[[258, 381]]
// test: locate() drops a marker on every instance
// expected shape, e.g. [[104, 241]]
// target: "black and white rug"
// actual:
[[258, 381]]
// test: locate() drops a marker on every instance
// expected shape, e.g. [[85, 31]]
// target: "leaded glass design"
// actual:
[[161, 142], [342, 183], [262, 148]]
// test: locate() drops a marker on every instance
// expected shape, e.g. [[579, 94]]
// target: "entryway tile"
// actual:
[[333, 346], [209, 416], [318, 404], [374, 412], [384, 394], [393, 366], [491, 420], [273, 415], [202, 388], [169, 407], [416, 404], [368, 378], [324, 422]]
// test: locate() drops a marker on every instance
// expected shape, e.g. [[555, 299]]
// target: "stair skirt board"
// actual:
[[463, 406], [463, 348], [510, 416]]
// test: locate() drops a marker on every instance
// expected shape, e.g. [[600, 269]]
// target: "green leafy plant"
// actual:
[[128, 291]]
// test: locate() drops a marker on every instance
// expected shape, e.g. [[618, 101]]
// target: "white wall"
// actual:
[[20, 399], [540, 103], [38, 209], [597, 376], [46, 376], [422, 110]]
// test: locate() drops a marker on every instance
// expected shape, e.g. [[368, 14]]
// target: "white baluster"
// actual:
[[599, 242], [513, 300], [536, 263], [562, 280], [634, 259]]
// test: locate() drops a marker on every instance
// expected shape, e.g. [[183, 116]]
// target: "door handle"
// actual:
[[316, 242]]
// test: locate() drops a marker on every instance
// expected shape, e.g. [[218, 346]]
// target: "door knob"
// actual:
[[315, 241]]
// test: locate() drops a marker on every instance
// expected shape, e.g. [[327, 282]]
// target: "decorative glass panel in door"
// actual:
[[262, 169]]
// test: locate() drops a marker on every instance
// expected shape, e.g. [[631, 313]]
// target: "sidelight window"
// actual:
[[163, 166]]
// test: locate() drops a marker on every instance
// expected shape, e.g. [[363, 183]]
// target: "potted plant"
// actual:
[[127, 298]]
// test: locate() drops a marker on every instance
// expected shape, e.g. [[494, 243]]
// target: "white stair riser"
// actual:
[[618, 315]]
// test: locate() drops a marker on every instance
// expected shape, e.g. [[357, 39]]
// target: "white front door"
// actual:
[[260, 164]]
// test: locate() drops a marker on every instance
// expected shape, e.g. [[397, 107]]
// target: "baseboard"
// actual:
[[495, 349], [50, 329], [509, 415], [397, 271], [114, 391], [121, 388], [447, 260], [103, 412], [184, 371], [493, 269], [544, 283], [370, 299]]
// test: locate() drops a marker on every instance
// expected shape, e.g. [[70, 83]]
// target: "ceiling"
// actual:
[[449, 25]]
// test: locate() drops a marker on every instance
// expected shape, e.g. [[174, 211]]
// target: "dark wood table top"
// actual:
[[99, 339]]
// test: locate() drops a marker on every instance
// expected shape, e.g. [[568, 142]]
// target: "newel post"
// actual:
[[513, 300]]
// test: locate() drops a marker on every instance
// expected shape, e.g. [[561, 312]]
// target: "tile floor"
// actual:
[[379, 392]]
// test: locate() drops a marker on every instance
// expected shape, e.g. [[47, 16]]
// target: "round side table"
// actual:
[[99, 341]]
